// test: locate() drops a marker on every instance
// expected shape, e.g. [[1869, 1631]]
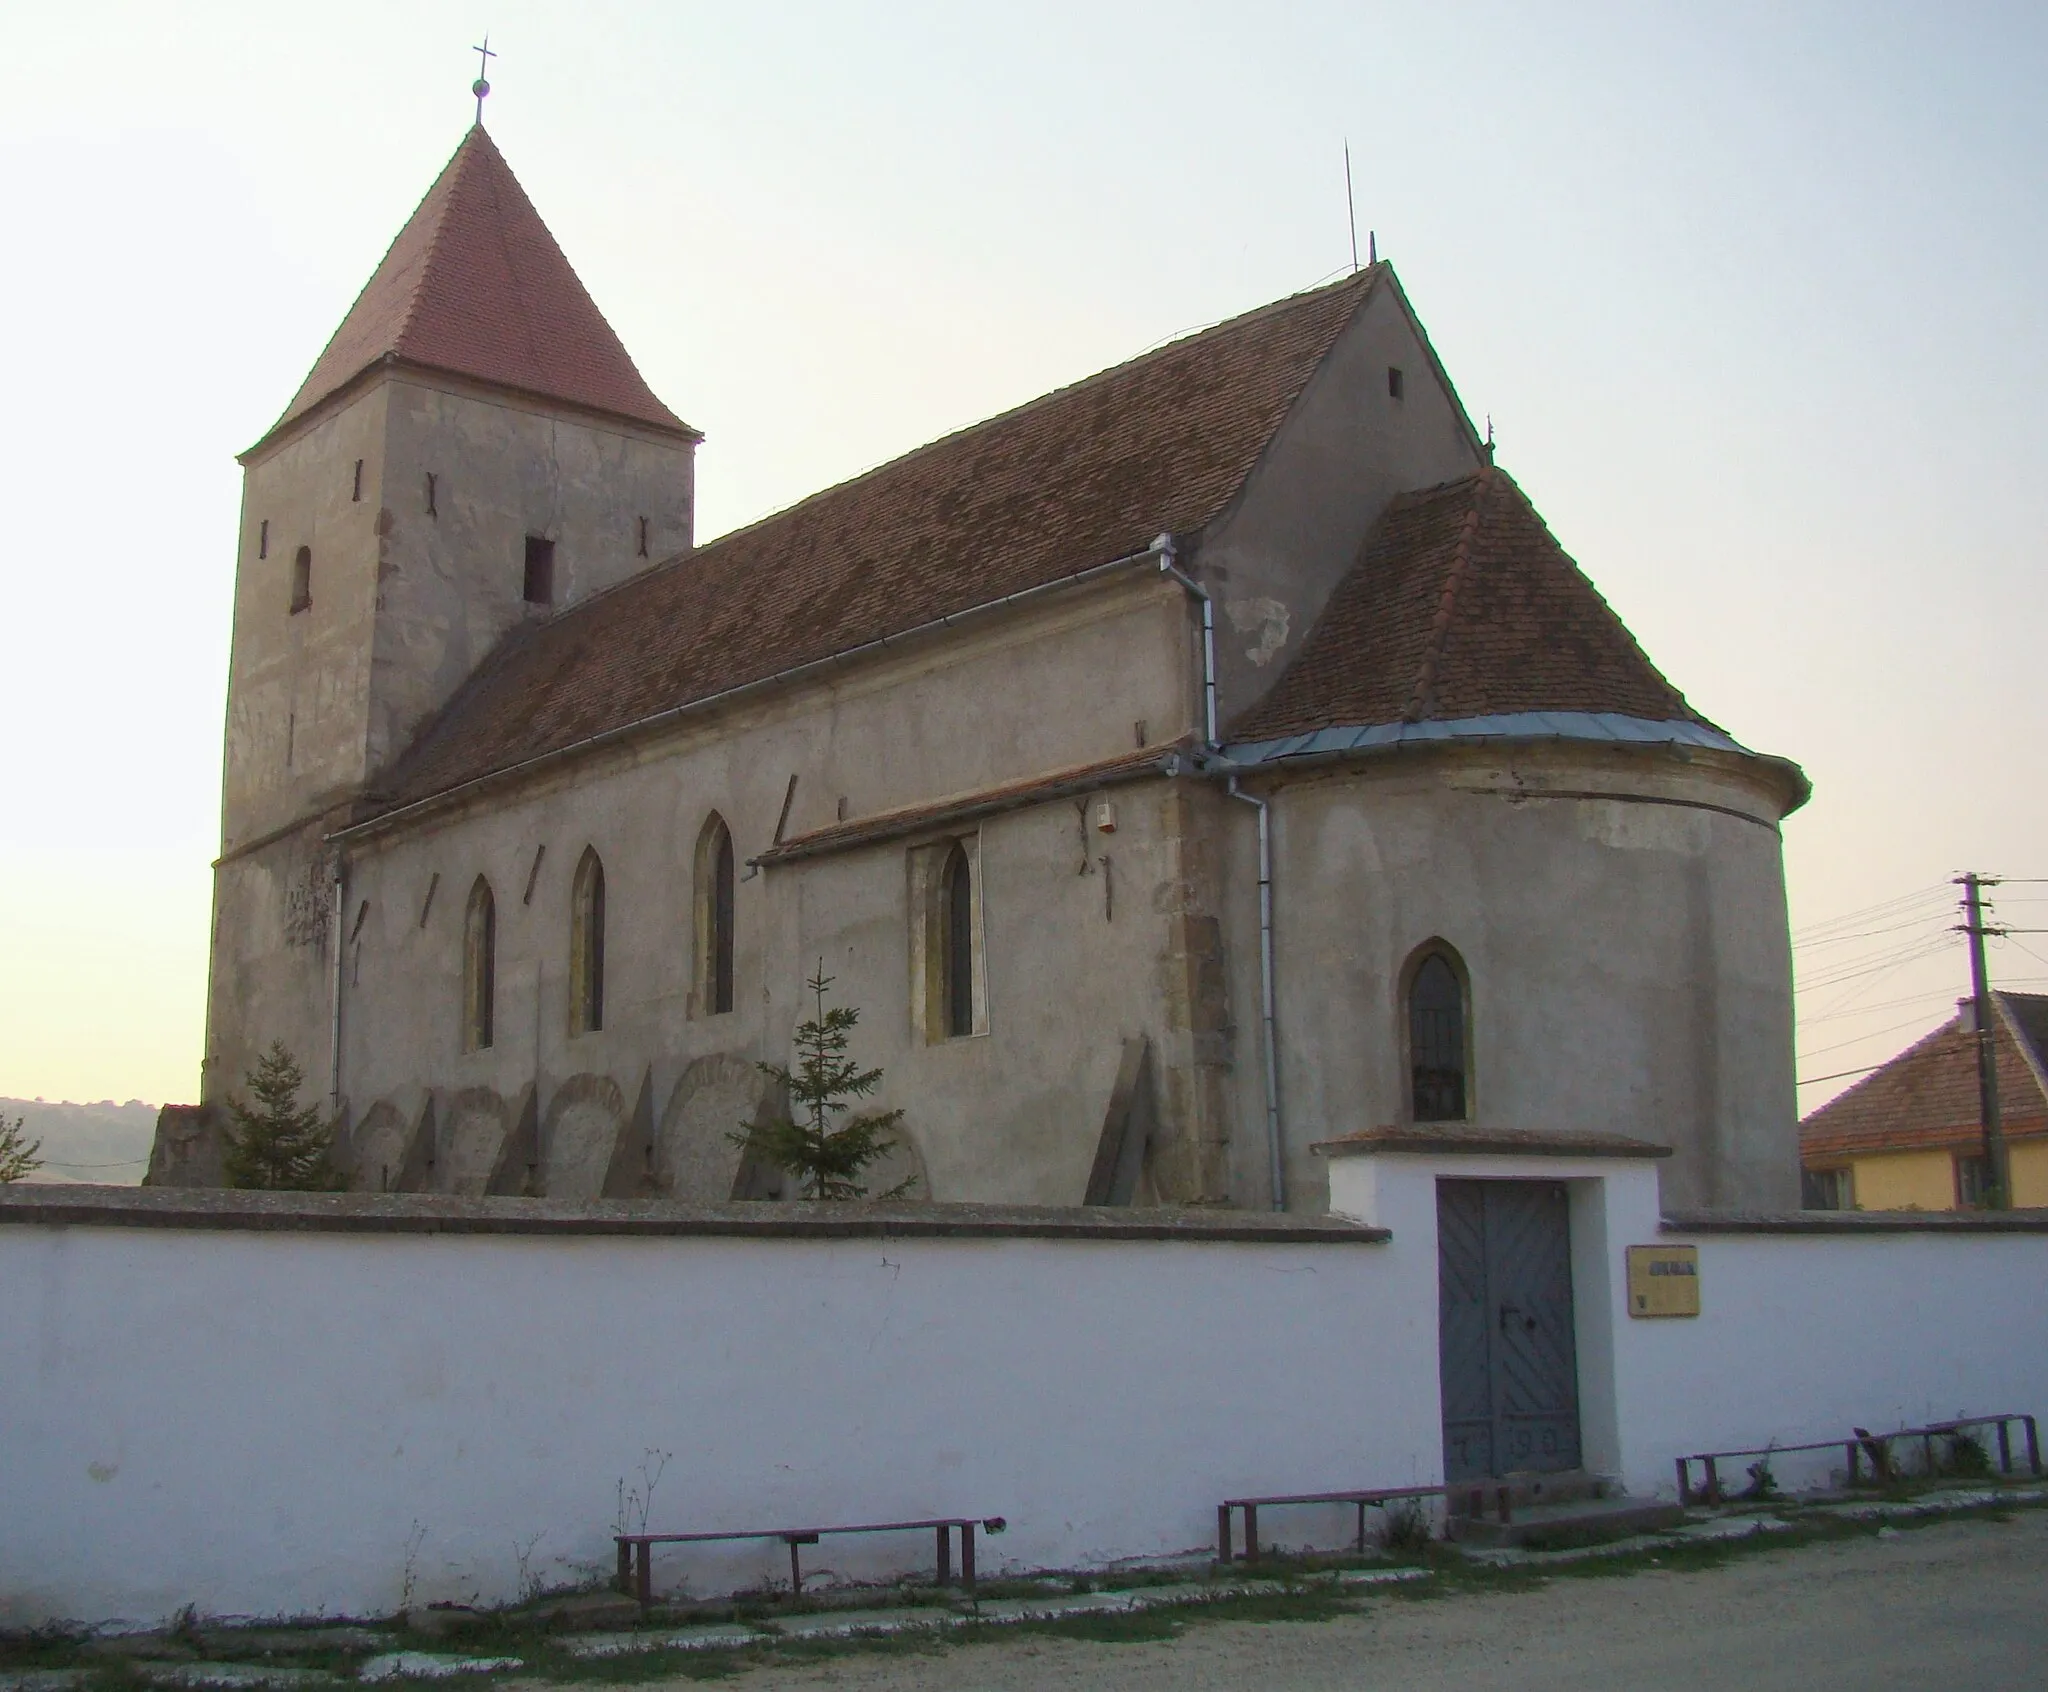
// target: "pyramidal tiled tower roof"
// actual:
[[476, 286]]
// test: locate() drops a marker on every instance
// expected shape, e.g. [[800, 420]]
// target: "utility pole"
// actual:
[[1995, 1186]]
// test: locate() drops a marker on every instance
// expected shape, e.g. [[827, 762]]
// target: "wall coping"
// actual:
[[1851, 1222], [218, 1209], [1465, 1139]]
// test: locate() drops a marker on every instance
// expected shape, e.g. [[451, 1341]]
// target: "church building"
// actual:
[[1207, 760]]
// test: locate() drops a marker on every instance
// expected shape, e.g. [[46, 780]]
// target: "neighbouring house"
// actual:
[[1210, 758], [1909, 1137]]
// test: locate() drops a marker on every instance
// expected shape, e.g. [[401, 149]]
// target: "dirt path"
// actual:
[[1956, 1607]]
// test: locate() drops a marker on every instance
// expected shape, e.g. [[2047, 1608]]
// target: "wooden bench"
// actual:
[[636, 1553], [1370, 1499], [1859, 1444]]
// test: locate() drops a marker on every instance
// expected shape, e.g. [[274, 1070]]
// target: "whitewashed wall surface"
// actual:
[[266, 1421], [283, 1406]]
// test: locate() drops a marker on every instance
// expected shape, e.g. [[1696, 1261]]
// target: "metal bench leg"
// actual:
[[1684, 1483], [1251, 1533], [644, 1572], [796, 1574], [2005, 1448], [945, 1556], [1713, 1480], [1223, 1533], [967, 1557], [625, 1580], [1361, 1527], [2033, 1444]]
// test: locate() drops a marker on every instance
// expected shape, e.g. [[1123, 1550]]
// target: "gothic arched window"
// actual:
[[1436, 1037], [586, 946], [714, 908], [479, 967], [956, 908]]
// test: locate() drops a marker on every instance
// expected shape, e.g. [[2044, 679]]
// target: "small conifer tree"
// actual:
[[19, 1156], [826, 1155], [276, 1144]]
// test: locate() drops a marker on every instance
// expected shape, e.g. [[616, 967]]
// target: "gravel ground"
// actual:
[[1956, 1607]]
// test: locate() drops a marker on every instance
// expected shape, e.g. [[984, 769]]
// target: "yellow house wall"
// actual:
[[2028, 1162], [1921, 1180]]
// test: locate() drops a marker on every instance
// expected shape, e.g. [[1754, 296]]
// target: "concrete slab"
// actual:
[[853, 1624], [1053, 1609], [711, 1637], [427, 1665], [1349, 1578]]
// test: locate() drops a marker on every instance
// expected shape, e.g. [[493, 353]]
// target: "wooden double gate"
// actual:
[[1507, 1351]]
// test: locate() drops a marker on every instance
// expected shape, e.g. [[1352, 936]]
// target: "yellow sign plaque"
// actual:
[[1664, 1280]]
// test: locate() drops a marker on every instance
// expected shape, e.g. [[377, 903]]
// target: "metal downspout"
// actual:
[[1276, 1163], [334, 1027], [1167, 567]]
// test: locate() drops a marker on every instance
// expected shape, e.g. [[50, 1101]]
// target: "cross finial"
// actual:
[[482, 85]]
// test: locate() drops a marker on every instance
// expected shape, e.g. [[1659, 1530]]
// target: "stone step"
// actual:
[[1527, 1489], [1572, 1522], [1586, 1520]]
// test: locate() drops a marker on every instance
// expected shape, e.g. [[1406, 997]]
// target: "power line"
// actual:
[[1933, 993], [1877, 912], [1867, 933], [1874, 1034], [1840, 1074]]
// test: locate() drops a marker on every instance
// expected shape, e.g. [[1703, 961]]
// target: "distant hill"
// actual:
[[104, 1142]]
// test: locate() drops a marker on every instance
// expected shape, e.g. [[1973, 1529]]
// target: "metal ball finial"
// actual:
[[481, 87]]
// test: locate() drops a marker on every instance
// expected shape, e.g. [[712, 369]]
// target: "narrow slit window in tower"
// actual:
[[302, 580], [540, 570]]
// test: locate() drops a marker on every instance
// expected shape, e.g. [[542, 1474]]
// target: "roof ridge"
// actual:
[[1685, 705], [1015, 411], [1023, 408], [412, 293], [433, 244], [1420, 699]]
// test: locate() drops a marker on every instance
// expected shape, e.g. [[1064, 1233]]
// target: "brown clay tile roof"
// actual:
[[1461, 604], [1926, 1097], [475, 285], [1081, 477]]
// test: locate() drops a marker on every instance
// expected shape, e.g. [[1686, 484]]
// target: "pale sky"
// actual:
[[1750, 292]]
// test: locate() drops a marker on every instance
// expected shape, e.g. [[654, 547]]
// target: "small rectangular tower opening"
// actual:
[[1394, 381], [540, 570]]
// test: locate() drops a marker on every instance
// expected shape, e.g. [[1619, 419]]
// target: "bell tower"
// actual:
[[473, 449]]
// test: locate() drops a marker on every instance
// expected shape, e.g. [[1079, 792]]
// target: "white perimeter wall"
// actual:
[[259, 1423], [278, 1423], [1801, 1336]]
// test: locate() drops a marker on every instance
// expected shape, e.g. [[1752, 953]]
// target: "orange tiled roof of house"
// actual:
[[476, 286], [1462, 604], [1083, 476], [1925, 1099]]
